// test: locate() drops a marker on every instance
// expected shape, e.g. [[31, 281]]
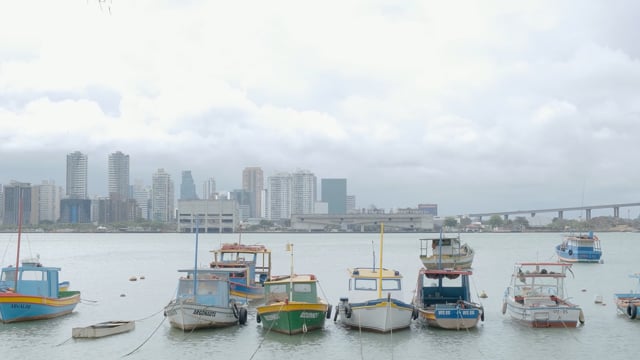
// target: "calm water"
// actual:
[[100, 265]]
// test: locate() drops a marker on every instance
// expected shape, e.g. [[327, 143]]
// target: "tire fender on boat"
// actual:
[[258, 320], [504, 307], [415, 313], [570, 252], [347, 311], [482, 315], [234, 308], [581, 317], [329, 308], [242, 316], [632, 311]]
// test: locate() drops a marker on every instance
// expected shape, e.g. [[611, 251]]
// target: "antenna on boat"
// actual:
[[380, 268], [290, 249], [195, 263], [15, 286]]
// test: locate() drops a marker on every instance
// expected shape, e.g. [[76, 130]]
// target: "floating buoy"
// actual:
[[483, 295], [584, 290], [133, 278], [598, 299], [141, 277], [122, 295]]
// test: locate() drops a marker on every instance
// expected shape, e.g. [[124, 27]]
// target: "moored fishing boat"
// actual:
[[537, 297], [32, 291], [375, 300], [628, 303], [203, 299], [248, 284], [445, 253], [580, 248], [292, 304], [443, 299]]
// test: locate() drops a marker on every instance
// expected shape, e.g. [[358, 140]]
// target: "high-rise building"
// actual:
[[303, 192], [77, 178], [334, 193], [188, 187], [14, 193], [162, 195], [351, 204], [142, 196], [209, 189], [279, 195], [48, 201], [253, 182], [118, 176]]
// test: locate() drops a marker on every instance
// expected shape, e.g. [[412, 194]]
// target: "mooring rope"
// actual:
[[147, 339]]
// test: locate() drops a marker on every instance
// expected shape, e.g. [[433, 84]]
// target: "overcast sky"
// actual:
[[477, 106]]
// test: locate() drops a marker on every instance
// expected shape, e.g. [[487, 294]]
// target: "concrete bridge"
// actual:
[[559, 211]]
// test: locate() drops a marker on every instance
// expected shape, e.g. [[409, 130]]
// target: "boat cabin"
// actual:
[[367, 279], [33, 279], [257, 258], [441, 246], [533, 280], [211, 287], [301, 288], [443, 286]]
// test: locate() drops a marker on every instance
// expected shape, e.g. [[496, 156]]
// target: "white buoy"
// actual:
[[598, 299]]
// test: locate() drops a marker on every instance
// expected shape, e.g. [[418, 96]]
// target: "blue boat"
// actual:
[[580, 248], [35, 295], [443, 299], [31, 291], [628, 303], [255, 264]]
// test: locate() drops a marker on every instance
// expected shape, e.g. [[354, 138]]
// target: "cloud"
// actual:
[[475, 106]]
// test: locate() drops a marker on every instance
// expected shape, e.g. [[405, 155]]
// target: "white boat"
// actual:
[[375, 300], [103, 329], [203, 299], [445, 253], [536, 296]]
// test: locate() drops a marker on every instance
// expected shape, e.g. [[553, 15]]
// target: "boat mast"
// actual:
[[380, 267], [290, 248], [195, 264], [15, 286]]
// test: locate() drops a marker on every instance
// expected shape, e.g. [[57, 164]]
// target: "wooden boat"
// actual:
[[32, 291], [628, 303], [103, 329], [536, 296], [375, 300], [203, 300], [443, 299], [248, 285], [445, 253], [292, 304], [580, 248]]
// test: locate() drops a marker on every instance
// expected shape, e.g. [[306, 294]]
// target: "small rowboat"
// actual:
[[103, 329]]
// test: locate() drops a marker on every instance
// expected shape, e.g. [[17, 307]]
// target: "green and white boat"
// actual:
[[292, 304]]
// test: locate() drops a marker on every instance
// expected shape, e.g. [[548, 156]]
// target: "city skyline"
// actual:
[[475, 106]]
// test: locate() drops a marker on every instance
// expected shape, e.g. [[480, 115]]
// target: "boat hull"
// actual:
[[293, 317], [628, 304], [17, 307], [190, 316], [103, 329], [545, 316], [380, 315], [578, 254], [450, 316], [246, 292], [447, 262]]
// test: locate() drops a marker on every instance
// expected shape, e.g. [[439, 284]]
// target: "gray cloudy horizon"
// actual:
[[476, 106]]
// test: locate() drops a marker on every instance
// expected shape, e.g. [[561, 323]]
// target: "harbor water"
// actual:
[[100, 266]]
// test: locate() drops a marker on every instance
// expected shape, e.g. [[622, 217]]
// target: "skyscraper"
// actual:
[[118, 176], [253, 182], [334, 193], [15, 193], [279, 194], [187, 187], [49, 201], [77, 175], [162, 194], [303, 192], [209, 189]]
